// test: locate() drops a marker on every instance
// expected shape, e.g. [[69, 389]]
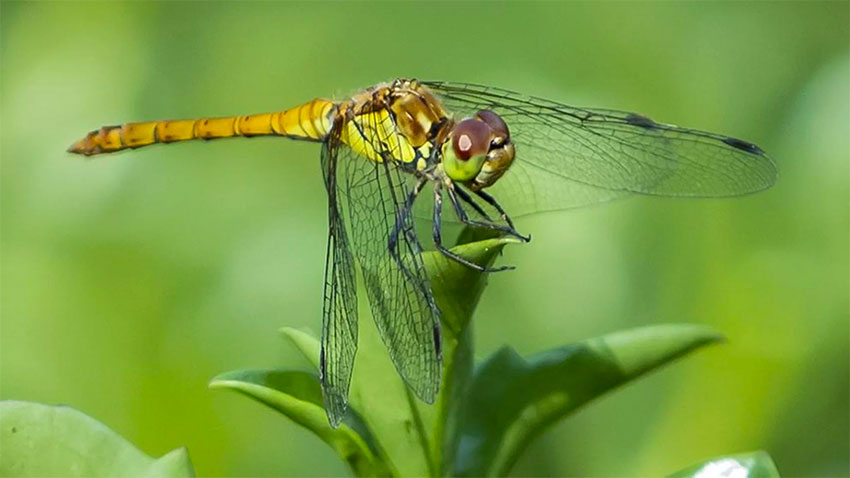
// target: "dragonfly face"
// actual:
[[479, 150], [383, 145]]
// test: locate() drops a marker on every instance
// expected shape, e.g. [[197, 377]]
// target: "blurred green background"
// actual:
[[129, 281]]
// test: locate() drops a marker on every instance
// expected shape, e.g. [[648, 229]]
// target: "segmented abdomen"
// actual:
[[310, 121]]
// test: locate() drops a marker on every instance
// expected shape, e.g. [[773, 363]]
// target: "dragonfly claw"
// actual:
[[515, 233]]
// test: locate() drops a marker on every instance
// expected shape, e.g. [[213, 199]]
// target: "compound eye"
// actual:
[[496, 123], [471, 138]]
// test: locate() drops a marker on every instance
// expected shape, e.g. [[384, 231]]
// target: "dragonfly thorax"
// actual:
[[478, 150]]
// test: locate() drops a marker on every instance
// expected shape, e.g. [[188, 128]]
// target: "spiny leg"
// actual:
[[462, 216], [467, 199], [438, 239], [401, 226], [492, 201]]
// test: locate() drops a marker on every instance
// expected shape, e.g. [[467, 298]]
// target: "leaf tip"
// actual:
[[303, 340], [290, 332], [703, 335], [716, 338], [297, 336], [225, 380]]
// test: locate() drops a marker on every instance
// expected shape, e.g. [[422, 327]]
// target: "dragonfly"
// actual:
[[398, 150]]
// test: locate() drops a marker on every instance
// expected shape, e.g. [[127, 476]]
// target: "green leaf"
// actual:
[[757, 464], [513, 399], [305, 342], [475, 234], [298, 396], [44, 440], [457, 287]]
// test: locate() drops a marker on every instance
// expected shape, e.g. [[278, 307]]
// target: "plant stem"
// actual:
[[420, 430], [457, 369]]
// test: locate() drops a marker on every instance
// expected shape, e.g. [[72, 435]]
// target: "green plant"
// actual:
[[44, 440], [486, 414], [484, 419]]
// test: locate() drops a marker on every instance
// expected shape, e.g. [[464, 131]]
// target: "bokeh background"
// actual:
[[129, 281]]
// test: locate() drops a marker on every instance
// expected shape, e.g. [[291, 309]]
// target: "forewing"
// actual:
[[397, 285], [339, 324], [569, 157]]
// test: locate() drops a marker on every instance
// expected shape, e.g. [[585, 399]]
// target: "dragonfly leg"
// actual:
[[492, 201], [401, 217], [468, 200], [438, 239], [454, 193], [401, 226]]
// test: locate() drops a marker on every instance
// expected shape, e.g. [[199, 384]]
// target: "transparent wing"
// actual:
[[339, 321], [569, 157], [397, 285]]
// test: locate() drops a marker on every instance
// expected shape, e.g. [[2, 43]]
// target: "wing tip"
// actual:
[[336, 406], [744, 146]]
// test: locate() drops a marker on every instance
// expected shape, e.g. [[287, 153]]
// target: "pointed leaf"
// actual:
[[298, 396], [44, 440], [475, 234], [513, 399], [756, 464], [457, 287], [305, 342]]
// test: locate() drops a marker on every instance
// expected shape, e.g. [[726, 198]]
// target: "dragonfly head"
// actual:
[[479, 150]]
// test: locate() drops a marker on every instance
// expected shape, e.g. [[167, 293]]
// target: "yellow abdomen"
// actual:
[[311, 121]]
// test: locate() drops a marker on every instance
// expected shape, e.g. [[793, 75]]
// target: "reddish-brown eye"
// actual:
[[470, 137], [495, 122]]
